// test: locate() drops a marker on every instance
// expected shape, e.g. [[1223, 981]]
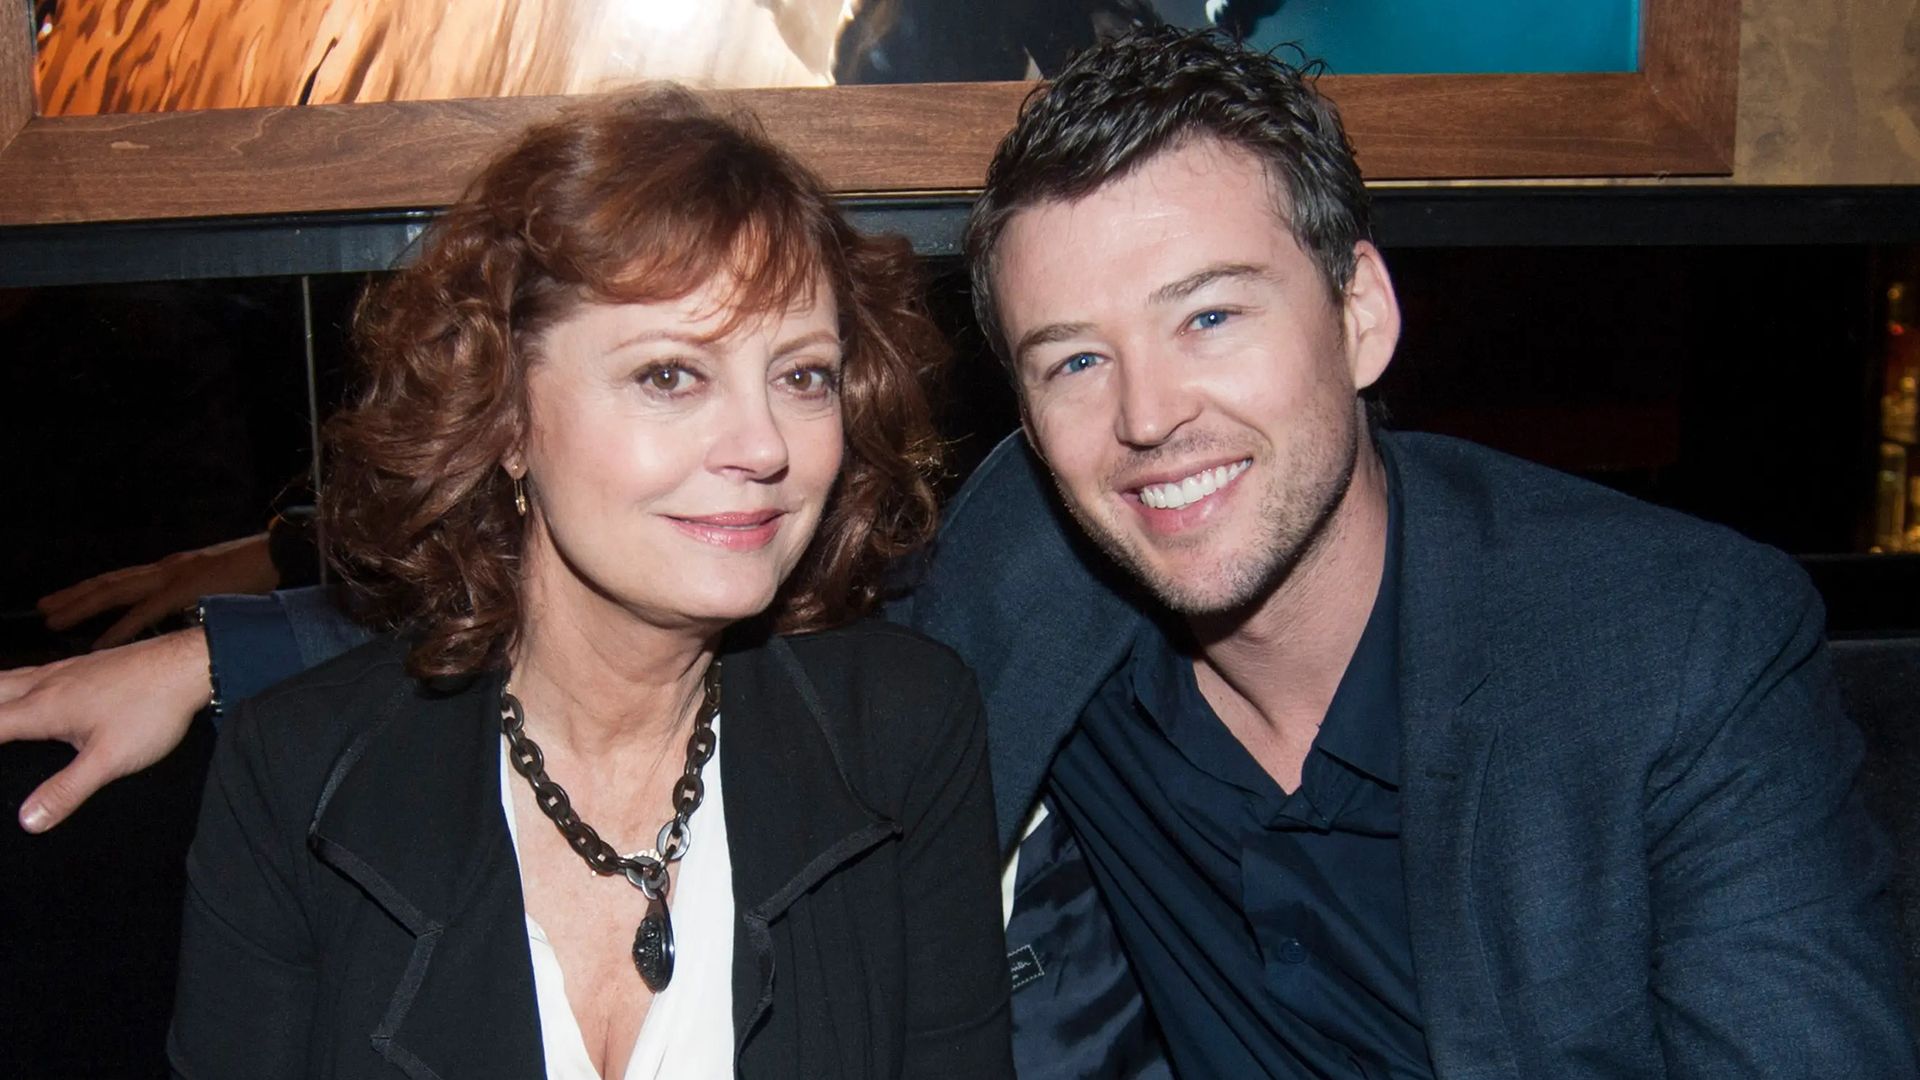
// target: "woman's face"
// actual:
[[674, 474]]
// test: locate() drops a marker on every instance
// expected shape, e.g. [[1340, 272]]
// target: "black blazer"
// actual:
[[354, 905]]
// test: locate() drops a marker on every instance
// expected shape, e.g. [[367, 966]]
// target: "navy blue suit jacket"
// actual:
[[1633, 839]]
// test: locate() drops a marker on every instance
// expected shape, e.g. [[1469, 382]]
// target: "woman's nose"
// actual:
[[750, 443]]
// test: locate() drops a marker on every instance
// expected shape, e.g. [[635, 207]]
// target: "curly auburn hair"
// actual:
[[638, 199]]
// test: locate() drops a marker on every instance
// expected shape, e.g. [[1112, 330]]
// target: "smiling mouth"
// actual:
[[750, 519], [740, 532], [1187, 490]]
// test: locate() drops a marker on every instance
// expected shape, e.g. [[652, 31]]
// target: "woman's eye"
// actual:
[[811, 381], [666, 379], [1208, 320]]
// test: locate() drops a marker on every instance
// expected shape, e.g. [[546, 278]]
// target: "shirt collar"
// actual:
[[1159, 675]]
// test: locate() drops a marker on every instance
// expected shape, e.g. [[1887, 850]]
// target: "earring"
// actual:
[[520, 496]]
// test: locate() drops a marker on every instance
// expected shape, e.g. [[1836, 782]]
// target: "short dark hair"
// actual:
[[1126, 99], [637, 198]]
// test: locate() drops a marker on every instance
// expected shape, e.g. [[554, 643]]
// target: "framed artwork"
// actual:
[[117, 110], [1451, 37]]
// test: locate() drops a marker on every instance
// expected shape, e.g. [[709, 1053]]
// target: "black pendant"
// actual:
[[653, 946]]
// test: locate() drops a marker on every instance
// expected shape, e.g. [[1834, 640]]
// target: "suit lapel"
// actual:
[[1448, 690], [1040, 615], [411, 814]]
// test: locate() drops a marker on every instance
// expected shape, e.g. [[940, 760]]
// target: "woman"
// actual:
[[644, 407]]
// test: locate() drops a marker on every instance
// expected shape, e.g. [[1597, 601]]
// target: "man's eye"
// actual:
[[1208, 320], [1077, 363]]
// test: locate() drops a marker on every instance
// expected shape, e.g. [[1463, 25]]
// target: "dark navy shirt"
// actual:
[[1268, 929]]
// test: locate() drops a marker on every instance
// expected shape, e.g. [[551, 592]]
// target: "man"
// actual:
[[1423, 761], [1387, 756]]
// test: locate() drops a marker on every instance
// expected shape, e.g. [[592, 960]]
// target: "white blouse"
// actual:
[[688, 1032]]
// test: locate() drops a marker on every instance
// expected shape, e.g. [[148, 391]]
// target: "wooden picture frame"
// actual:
[[1673, 116]]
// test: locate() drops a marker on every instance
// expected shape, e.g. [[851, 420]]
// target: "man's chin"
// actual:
[[1200, 599], [1192, 587], [1187, 575]]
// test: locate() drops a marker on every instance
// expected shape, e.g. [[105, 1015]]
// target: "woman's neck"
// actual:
[[599, 680]]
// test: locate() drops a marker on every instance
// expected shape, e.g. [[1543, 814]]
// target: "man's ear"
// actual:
[[1371, 316]]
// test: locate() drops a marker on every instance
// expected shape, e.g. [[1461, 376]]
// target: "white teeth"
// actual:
[[1191, 489]]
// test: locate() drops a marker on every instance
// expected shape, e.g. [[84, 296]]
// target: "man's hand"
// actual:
[[154, 591], [122, 709]]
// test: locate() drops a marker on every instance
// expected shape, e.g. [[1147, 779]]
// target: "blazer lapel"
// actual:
[[792, 818], [1449, 726], [411, 814]]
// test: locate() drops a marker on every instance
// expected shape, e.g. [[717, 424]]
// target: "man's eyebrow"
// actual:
[[1050, 334], [1193, 283]]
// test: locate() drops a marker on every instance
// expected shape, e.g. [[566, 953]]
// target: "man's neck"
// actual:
[[1271, 673]]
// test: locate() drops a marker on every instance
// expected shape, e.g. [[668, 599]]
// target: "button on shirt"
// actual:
[[1268, 929]]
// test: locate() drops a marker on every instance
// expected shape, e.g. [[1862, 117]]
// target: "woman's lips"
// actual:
[[741, 531]]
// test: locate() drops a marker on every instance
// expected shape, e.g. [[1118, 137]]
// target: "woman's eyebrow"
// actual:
[[816, 337], [696, 341]]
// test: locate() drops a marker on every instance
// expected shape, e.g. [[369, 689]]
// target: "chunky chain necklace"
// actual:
[[646, 870]]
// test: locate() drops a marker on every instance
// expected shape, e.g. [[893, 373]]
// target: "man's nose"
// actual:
[[1154, 402]]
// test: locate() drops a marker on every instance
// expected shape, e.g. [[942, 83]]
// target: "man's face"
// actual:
[[1185, 374]]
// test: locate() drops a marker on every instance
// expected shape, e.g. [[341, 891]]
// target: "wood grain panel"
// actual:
[[1690, 58], [227, 161], [420, 153], [16, 71], [1421, 127], [861, 139]]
